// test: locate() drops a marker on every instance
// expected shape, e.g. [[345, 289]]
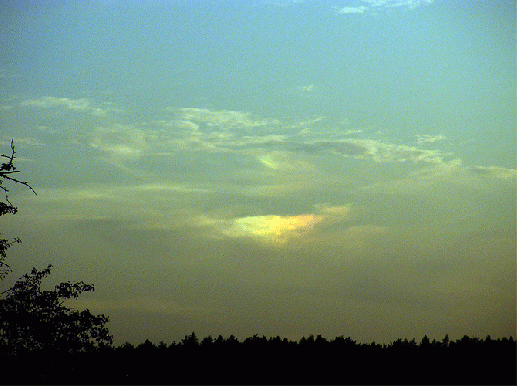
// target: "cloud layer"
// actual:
[[239, 208], [374, 6]]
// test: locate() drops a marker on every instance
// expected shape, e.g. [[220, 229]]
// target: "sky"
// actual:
[[280, 167]]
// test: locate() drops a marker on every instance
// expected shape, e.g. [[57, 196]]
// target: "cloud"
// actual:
[[333, 212], [382, 152], [283, 161], [113, 193], [429, 138], [453, 173], [47, 102], [269, 229], [307, 89], [268, 158], [274, 229], [372, 149], [272, 142], [342, 147], [347, 10], [76, 194], [495, 172], [379, 5], [79, 105], [197, 129], [411, 4], [273, 226], [282, 3], [225, 119], [23, 141], [120, 140]]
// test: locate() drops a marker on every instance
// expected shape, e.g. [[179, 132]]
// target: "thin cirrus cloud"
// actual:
[[120, 140], [429, 138], [81, 104], [453, 173], [282, 151], [48, 102], [348, 10], [226, 118], [200, 129], [379, 5], [204, 129], [273, 143]]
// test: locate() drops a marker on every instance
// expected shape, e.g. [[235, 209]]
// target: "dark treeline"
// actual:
[[262, 360]]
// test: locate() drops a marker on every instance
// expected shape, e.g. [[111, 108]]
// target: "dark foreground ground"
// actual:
[[273, 361]]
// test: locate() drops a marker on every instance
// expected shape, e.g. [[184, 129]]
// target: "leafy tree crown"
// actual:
[[32, 319]]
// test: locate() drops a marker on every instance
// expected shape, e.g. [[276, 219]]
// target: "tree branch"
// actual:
[[8, 168]]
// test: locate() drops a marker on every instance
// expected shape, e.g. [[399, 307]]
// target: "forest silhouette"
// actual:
[[274, 360], [44, 342]]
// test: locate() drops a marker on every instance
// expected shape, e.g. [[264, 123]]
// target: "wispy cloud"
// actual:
[[114, 193], [223, 130], [378, 151], [429, 138], [346, 10], [81, 104], [372, 6], [399, 3], [269, 158], [224, 118], [49, 102], [274, 143], [283, 161], [453, 173], [493, 171], [282, 3], [120, 140], [308, 89], [23, 141]]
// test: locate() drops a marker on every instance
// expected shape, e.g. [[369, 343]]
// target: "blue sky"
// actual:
[[271, 167]]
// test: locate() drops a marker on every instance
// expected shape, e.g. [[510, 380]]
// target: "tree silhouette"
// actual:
[[190, 341], [425, 343], [7, 172], [32, 320]]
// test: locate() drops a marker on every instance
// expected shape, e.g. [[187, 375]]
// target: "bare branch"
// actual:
[[6, 169]]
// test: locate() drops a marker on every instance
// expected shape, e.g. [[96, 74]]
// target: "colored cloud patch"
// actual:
[[274, 226], [276, 229]]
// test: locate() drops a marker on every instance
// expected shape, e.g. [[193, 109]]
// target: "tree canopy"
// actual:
[[32, 319]]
